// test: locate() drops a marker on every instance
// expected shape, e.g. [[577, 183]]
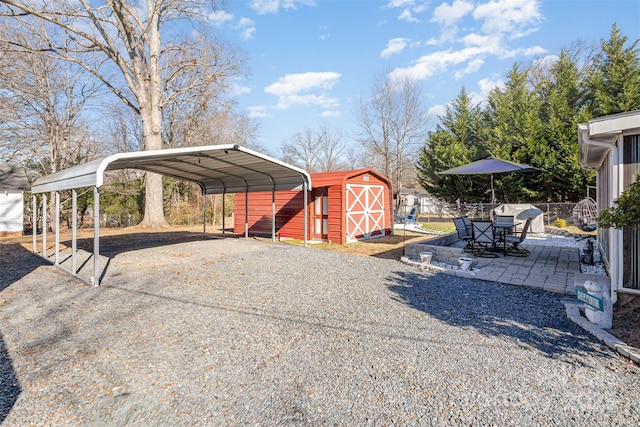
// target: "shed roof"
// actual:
[[13, 178], [217, 169], [324, 179]]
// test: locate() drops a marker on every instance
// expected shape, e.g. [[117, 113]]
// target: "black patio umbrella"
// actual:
[[490, 165]]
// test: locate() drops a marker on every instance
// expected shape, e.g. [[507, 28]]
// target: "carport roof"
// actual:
[[218, 169]]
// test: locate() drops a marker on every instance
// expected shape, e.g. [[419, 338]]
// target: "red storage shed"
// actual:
[[343, 207]]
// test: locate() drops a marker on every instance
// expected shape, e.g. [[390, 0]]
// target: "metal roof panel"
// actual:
[[216, 168]]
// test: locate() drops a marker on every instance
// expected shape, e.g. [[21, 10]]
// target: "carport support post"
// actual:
[[204, 215], [273, 215], [304, 223], [96, 236], [44, 225], [74, 218], [223, 211], [34, 218], [246, 214], [57, 228]]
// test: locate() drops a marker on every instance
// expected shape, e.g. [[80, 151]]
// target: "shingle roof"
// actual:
[[13, 178]]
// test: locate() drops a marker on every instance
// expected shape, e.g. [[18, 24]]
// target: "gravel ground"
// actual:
[[235, 332]]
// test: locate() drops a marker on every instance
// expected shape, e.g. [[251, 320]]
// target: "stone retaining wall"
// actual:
[[439, 247]]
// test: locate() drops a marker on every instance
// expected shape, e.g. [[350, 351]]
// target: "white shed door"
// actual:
[[365, 211]]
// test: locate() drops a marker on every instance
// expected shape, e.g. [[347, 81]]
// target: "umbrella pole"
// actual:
[[493, 196]]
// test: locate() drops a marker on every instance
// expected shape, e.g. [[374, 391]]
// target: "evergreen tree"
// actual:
[[454, 143], [516, 131], [556, 153], [614, 80]]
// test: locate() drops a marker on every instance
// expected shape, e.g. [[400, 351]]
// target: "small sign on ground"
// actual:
[[590, 299]]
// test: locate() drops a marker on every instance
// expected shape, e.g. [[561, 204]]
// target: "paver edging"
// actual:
[[573, 306]]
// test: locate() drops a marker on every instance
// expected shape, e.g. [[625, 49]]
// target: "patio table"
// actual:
[[501, 231]]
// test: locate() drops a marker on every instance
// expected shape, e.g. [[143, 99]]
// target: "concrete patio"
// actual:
[[551, 268]]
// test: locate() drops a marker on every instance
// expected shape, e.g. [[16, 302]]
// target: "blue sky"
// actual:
[[312, 61]]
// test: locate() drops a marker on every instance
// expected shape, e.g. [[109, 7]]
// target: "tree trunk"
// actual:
[[153, 200], [151, 116]]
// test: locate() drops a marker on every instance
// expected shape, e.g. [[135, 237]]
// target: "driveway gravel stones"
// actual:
[[237, 332]]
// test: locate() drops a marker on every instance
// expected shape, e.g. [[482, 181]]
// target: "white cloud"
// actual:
[[219, 17], [437, 110], [287, 101], [399, 3], [546, 61], [237, 90], [263, 7], [486, 86], [333, 113], [248, 33], [472, 66], [488, 27], [324, 33], [448, 15], [304, 89], [394, 46], [535, 50], [436, 62], [448, 34], [247, 27], [406, 15], [258, 111], [408, 8], [505, 16], [294, 83]]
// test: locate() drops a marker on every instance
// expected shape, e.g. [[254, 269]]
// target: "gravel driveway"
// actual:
[[235, 332]]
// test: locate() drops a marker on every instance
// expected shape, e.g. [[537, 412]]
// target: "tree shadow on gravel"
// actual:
[[113, 245], [533, 318], [15, 263], [9, 386]]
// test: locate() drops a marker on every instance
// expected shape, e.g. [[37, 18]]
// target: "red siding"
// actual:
[[289, 206], [289, 213], [336, 215]]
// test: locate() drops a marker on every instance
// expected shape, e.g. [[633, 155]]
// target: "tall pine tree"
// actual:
[[614, 80], [515, 132], [561, 100], [454, 142]]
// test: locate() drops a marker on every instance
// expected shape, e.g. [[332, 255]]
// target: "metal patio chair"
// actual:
[[515, 240], [483, 239], [465, 233]]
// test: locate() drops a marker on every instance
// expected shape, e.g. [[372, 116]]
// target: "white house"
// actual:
[[610, 145], [13, 183]]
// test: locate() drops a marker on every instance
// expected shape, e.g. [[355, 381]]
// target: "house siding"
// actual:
[[11, 213], [630, 234]]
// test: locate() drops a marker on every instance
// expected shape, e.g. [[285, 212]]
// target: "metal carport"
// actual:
[[217, 169]]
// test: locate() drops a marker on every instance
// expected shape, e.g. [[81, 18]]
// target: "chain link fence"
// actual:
[[432, 210]]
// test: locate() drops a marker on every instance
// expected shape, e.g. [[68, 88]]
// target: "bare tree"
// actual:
[[300, 150], [322, 150], [42, 117], [129, 48], [331, 150], [393, 123]]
